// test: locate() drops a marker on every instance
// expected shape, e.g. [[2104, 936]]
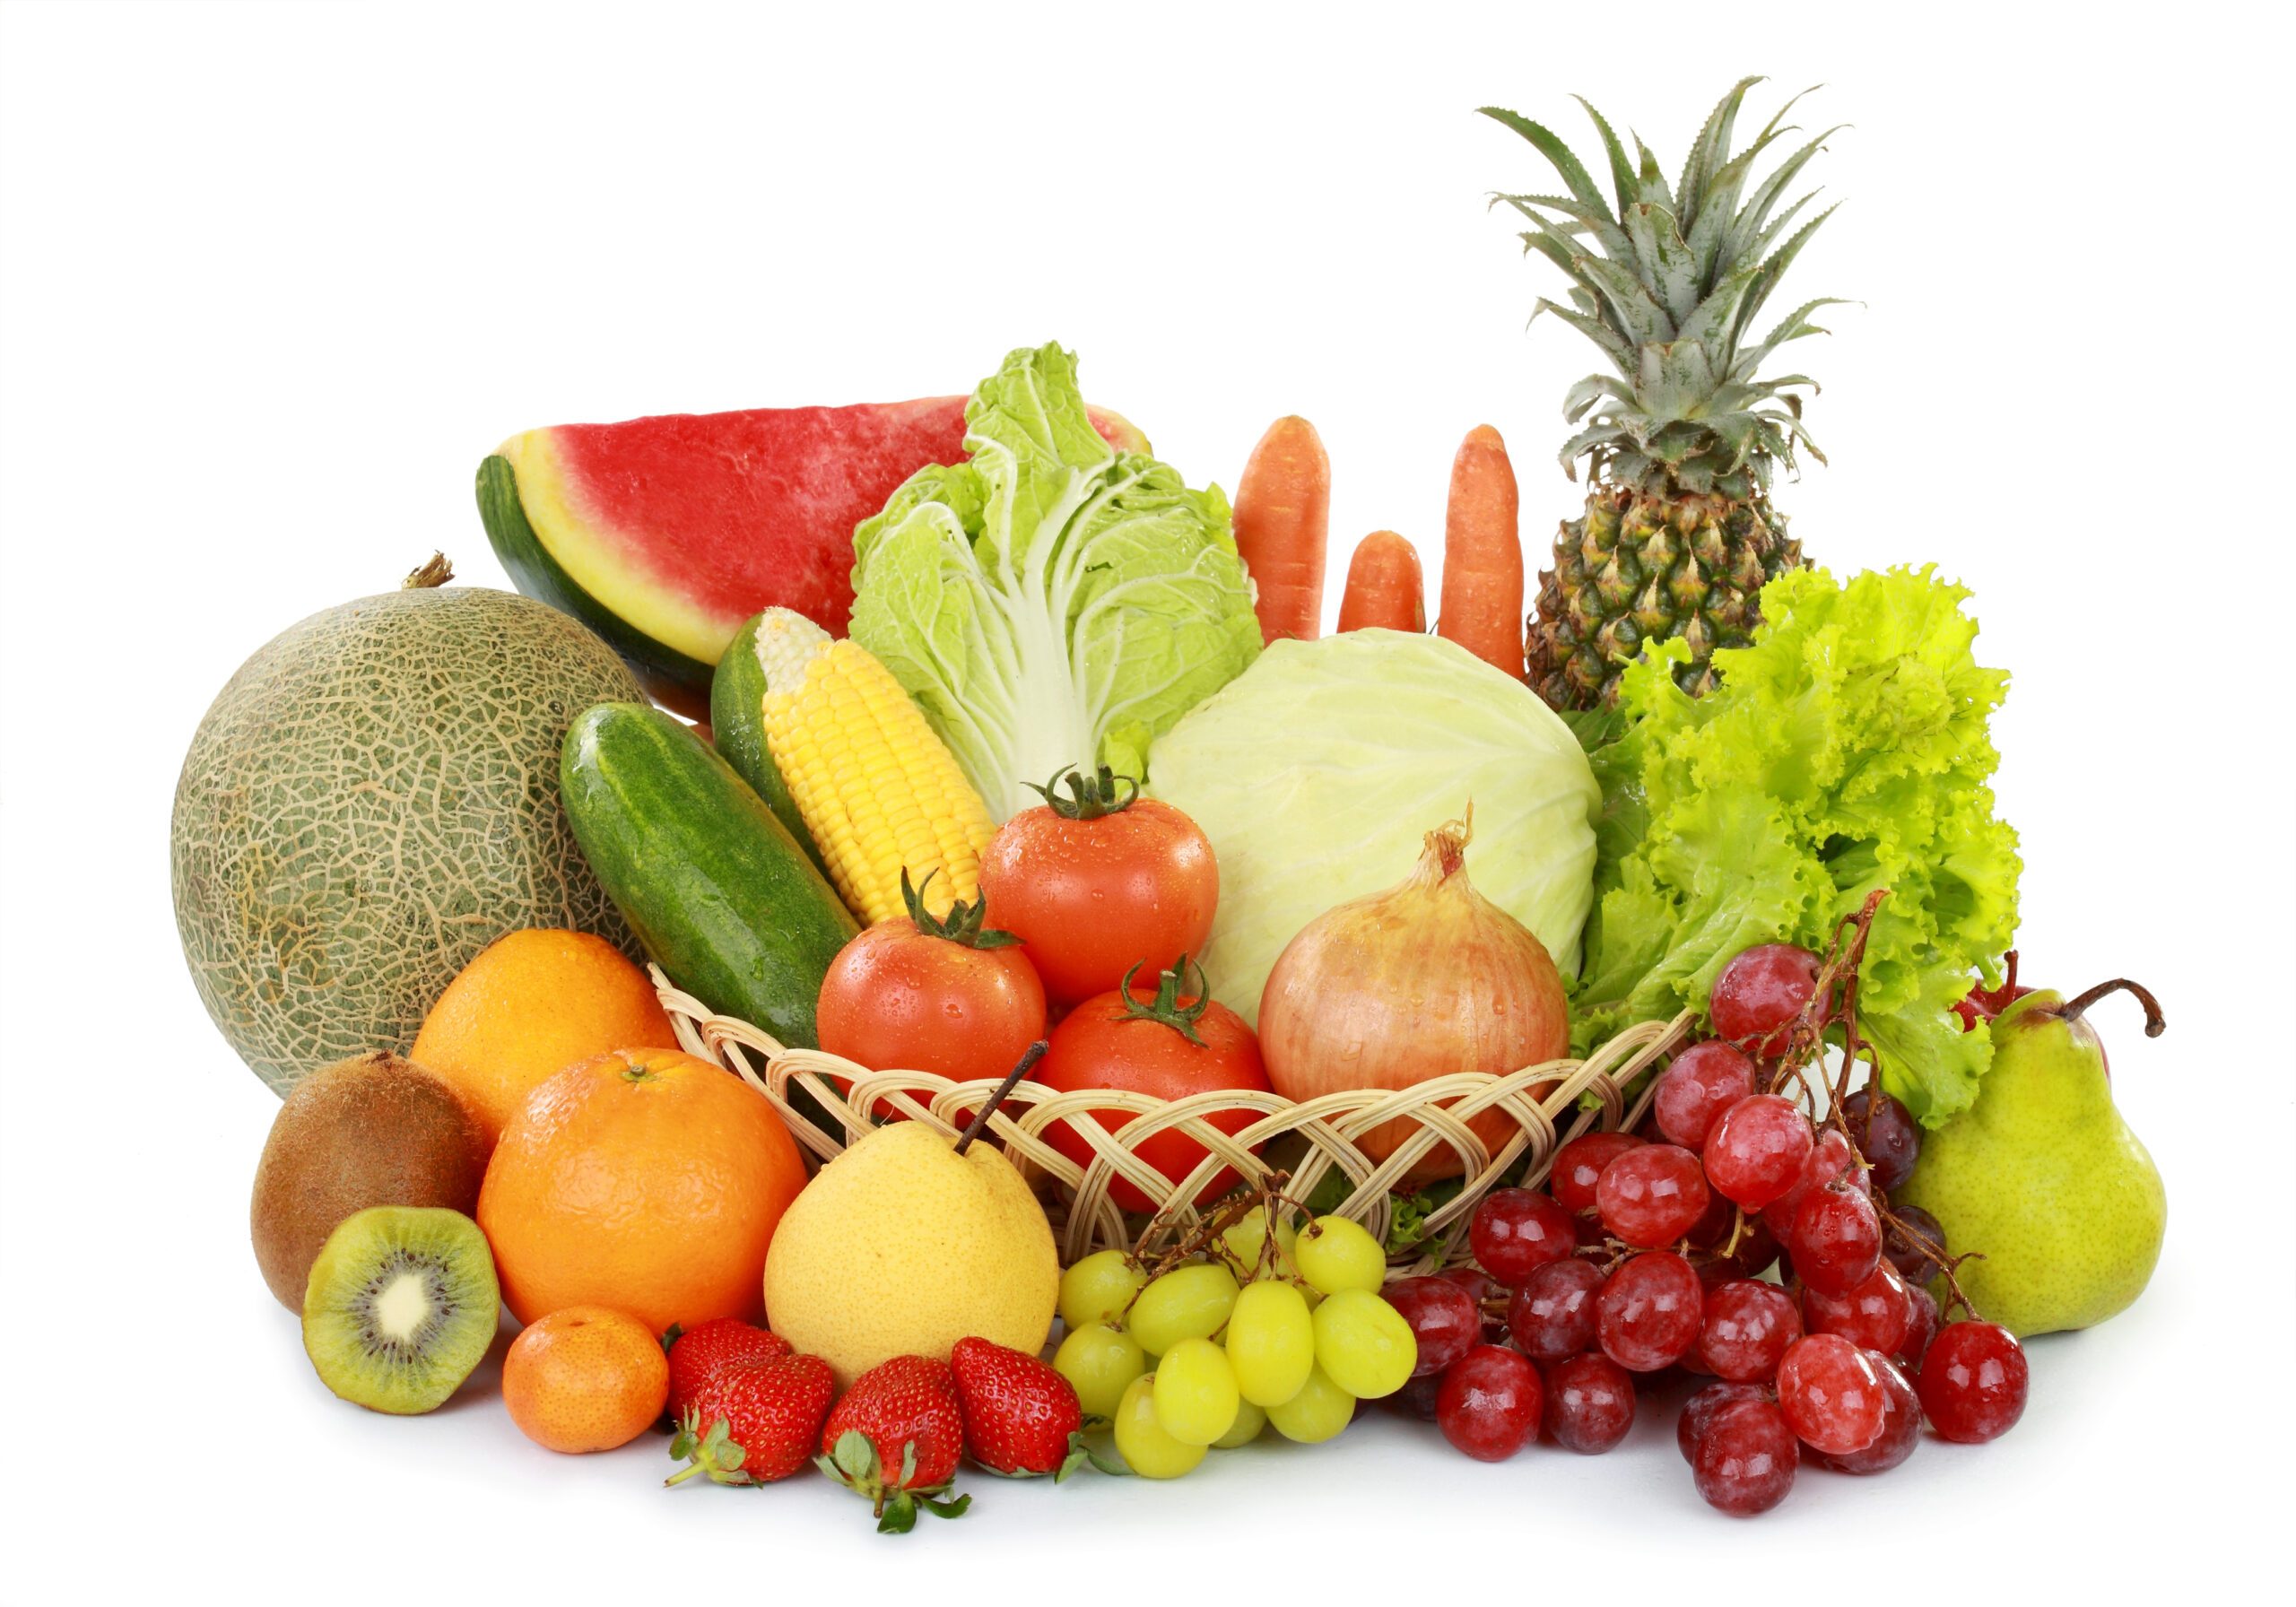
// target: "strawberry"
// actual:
[[1021, 1417], [698, 1352], [895, 1439], [755, 1419]]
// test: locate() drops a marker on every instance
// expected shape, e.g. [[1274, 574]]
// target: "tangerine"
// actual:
[[645, 1180], [586, 1378], [532, 1004]]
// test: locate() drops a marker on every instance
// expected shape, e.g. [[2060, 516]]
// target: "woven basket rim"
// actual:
[[1542, 1100]]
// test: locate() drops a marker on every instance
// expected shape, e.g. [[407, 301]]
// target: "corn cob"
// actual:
[[879, 791]]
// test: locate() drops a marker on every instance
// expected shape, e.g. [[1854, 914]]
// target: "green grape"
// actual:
[[1099, 1361], [1097, 1289], [1318, 1411], [1271, 1341], [1188, 1302], [1196, 1392], [1146, 1449], [1247, 1237], [1335, 1254], [1364, 1344], [1249, 1421]]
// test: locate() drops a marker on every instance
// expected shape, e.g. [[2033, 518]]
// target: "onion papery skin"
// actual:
[[1425, 979]]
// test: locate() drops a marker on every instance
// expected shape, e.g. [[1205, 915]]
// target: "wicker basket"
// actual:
[[1543, 1099]]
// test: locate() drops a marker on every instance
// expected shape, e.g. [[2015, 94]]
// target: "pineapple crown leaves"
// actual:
[[1668, 282]]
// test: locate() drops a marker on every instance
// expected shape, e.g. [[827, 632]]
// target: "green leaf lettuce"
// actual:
[[1845, 750]]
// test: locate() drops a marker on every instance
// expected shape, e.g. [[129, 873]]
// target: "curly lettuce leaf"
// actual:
[[1052, 601], [1845, 750]]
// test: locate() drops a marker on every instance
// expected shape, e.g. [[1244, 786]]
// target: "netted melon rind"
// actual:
[[370, 801]]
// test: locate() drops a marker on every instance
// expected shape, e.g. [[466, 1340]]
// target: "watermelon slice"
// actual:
[[663, 535]]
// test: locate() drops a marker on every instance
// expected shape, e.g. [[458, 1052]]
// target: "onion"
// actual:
[[1427, 978]]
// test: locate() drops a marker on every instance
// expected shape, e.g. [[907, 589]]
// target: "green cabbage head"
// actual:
[[1317, 772]]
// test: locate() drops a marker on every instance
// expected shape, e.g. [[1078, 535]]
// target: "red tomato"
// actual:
[[897, 998], [1100, 882], [1133, 1043]]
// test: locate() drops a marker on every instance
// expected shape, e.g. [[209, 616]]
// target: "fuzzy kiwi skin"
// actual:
[[373, 1130]]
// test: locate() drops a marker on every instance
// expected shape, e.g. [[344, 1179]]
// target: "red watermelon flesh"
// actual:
[[682, 526]]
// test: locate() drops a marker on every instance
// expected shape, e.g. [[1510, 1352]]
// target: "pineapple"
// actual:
[[1682, 432]]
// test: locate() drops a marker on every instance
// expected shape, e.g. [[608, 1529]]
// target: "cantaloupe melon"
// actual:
[[370, 801]]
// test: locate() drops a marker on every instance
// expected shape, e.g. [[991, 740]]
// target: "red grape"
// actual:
[[1578, 1167], [1516, 1231], [1973, 1381], [1489, 1404], [1759, 992], [1904, 1243], [1589, 1403], [1900, 1425], [1648, 1313], [1705, 1080], [1755, 1150], [1830, 1393], [1890, 1144], [1873, 1314], [1746, 1460], [1444, 1319], [1416, 1398], [1552, 1315], [1831, 1159], [1920, 1323], [1711, 1231], [1836, 1239], [1651, 1195], [1700, 1408], [1747, 1329], [1757, 1251]]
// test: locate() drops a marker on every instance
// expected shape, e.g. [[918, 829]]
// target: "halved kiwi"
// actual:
[[401, 1306]]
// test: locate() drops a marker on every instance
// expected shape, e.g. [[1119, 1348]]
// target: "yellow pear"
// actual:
[[903, 1246]]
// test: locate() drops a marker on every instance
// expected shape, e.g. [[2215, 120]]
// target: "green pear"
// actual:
[[2043, 1178]]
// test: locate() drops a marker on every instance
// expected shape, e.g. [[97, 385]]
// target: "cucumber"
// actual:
[[737, 723], [721, 896]]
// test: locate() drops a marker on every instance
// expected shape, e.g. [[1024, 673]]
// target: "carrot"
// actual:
[[1483, 555], [1383, 585], [1282, 516]]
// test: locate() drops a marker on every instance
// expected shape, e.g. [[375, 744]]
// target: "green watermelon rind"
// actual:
[[672, 676]]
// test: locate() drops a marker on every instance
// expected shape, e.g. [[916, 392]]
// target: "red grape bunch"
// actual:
[[1735, 1237]]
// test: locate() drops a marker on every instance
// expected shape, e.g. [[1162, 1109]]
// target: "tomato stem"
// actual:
[[1090, 795], [1166, 1008]]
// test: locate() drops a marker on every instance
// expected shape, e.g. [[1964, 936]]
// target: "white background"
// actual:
[[274, 279]]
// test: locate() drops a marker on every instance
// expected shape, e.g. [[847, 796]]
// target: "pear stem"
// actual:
[[2155, 1023], [1028, 1062]]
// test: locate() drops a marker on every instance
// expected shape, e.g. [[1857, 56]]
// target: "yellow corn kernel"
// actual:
[[880, 791]]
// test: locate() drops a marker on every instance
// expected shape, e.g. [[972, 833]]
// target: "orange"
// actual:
[[530, 1005], [586, 1378], [644, 1180]]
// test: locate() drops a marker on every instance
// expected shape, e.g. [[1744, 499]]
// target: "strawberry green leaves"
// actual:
[[852, 1462]]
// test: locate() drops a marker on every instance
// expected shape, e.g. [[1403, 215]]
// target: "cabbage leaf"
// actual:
[[1052, 601]]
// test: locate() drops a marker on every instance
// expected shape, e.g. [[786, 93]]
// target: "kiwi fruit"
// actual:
[[402, 1304], [374, 1130]]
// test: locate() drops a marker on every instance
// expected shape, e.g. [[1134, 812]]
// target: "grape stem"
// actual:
[[1834, 1002]]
